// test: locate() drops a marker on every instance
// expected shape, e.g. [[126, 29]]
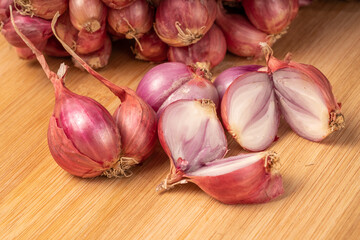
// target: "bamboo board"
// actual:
[[38, 200]]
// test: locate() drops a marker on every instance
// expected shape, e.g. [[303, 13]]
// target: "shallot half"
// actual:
[[194, 140]]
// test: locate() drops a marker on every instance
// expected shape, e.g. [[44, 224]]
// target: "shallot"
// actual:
[[97, 59], [82, 136], [172, 81], [183, 22], [36, 29], [305, 98], [150, 48], [132, 21], [54, 48], [252, 104], [4, 10], [135, 119], [89, 15], [242, 38], [271, 16], [210, 50], [194, 140]]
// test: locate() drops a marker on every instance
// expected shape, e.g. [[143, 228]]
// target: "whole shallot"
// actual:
[[41, 8], [183, 22]]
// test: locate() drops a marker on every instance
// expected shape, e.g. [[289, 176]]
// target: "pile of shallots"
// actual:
[[174, 30], [179, 105]]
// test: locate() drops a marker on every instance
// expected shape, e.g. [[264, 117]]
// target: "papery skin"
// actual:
[[118, 4], [133, 21], [42, 8], [135, 120], [85, 145], [137, 124], [252, 184], [152, 48], [271, 16], [87, 14], [242, 38], [194, 18], [97, 59], [82, 135], [328, 114], [210, 49], [249, 111], [225, 78], [36, 29]]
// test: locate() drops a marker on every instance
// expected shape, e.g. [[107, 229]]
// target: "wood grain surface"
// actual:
[[39, 200]]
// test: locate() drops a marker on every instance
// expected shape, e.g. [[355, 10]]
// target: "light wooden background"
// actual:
[[39, 200]]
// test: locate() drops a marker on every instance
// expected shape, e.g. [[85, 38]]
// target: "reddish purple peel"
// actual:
[[118, 4], [181, 23], [211, 50], [271, 16]]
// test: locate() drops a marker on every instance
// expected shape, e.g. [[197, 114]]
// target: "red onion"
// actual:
[[135, 119], [25, 53], [118, 4], [183, 22], [36, 29], [211, 49], [133, 21], [41, 8], [82, 136], [82, 42], [54, 48], [271, 16], [249, 111], [169, 82], [242, 38], [151, 48], [305, 98], [194, 140], [97, 59], [224, 79], [89, 15]]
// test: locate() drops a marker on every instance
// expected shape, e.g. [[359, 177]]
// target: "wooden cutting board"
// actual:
[[39, 200]]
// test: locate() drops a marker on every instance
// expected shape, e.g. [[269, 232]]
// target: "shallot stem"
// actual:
[[120, 92], [132, 33]]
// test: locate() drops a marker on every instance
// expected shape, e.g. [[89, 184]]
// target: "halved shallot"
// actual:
[[194, 140], [183, 22], [249, 111], [305, 98]]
